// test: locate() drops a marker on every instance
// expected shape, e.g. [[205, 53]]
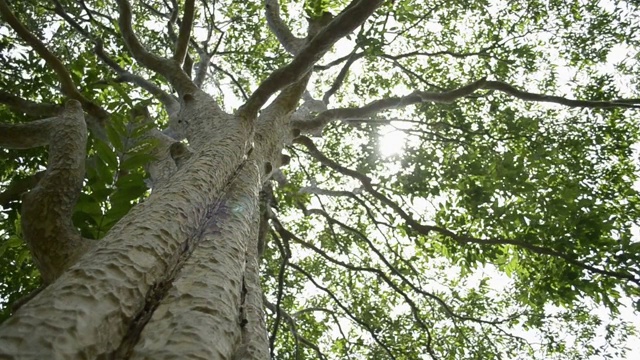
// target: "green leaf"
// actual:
[[135, 161], [115, 138], [106, 154]]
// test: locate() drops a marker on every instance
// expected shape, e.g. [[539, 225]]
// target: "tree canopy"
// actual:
[[463, 182]]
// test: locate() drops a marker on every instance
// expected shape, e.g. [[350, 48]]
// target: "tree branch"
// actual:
[[26, 135], [147, 59], [527, 96], [460, 239], [357, 56], [171, 70], [233, 79], [541, 250], [292, 327], [339, 61], [337, 83], [287, 100], [321, 120], [67, 84], [290, 43], [203, 69], [381, 275], [368, 327], [54, 241], [28, 107], [185, 31], [205, 61], [284, 257], [170, 103], [353, 15]]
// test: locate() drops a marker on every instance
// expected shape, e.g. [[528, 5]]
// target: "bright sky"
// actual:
[[392, 140]]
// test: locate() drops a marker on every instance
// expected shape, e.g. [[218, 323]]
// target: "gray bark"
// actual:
[[46, 210], [204, 311], [178, 276], [104, 297]]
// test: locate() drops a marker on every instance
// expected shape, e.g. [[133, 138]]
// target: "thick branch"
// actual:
[[54, 241], [203, 69], [354, 15], [138, 51], [67, 84], [287, 101], [372, 108], [290, 43], [27, 135], [376, 106], [171, 70], [185, 32], [28, 107]]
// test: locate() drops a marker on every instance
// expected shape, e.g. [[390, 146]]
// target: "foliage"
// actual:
[[537, 195]]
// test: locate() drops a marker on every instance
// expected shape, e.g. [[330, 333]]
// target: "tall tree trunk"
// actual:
[[205, 311], [175, 278]]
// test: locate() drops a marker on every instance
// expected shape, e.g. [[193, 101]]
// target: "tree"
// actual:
[[321, 179]]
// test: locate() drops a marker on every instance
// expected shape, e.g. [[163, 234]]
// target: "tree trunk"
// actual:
[[177, 277]]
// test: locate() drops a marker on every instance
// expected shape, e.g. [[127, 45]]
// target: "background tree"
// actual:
[[458, 179]]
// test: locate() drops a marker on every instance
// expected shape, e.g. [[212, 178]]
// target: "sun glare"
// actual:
[[391, 141]]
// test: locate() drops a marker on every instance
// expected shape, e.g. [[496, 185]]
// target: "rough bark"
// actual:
[[87, 312], [201, 315], [178, 276], [49, 233]]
